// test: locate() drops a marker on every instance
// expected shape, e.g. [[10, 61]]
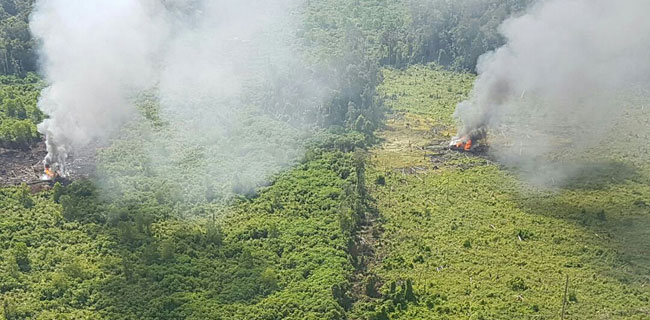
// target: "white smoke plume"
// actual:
[[567, 70], [94, 54], [208, 63]]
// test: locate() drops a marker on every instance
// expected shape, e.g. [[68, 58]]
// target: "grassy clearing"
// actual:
[[475, 242], [429, 91]]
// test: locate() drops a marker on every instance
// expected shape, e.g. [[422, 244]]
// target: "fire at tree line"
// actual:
[[310, 201], [21, 115]]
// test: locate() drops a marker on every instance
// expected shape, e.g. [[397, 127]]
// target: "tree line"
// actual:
[[17, 54]]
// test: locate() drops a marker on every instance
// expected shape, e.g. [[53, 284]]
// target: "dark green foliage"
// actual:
[[452, 33], [16, 43], [23, 195], [286, 264], [214, 234], [517, 284], [409, 295], [406, 32], [573, 297], [21, 256], [380, 315], [401, 295], [57, 192], [524, 234], [18, 111], [167, 251], [341, 295], [9, 310], [78, 202], [371, 283]]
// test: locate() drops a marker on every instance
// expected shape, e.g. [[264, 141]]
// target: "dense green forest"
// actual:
[[17, 54], [402, 32], [19, 114], [18, 87], [364, 226]]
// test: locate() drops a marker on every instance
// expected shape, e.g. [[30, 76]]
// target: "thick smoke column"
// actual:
[[94, 55], [210, 67], [565, 73]]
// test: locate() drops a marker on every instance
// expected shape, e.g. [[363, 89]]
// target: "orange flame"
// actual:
[[464, 143], [468, 145], [49, 173]]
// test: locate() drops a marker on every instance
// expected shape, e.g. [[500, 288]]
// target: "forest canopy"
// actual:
[[17, 48]]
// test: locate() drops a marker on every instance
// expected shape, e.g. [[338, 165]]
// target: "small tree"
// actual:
[[213, 234], [9, 310], [57, 192], [409, 295], [167, 250], [21, 255], [24, 196], [269, 280], [127, 268]]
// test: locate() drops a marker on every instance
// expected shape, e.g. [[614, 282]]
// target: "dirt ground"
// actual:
[[19, 166]]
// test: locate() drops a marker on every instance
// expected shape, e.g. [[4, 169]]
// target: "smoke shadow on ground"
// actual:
[[576, 175], [599, 175], [611, 201]]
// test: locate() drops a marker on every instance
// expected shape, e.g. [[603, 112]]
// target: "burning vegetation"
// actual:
[[469, 141], [51, 172]]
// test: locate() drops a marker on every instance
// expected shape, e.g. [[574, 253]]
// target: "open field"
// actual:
[[479, 243]]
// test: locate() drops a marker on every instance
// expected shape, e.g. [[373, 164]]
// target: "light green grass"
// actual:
[[479, 243], [426, 90]]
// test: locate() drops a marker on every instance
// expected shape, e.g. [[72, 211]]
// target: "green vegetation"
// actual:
[[400, 33], [365, 226], [429, 91], [17, 55], [282, 254], [18, 111], [477, 243]]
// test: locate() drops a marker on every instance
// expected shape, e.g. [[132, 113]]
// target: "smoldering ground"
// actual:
[[207, 72], [568, 71]]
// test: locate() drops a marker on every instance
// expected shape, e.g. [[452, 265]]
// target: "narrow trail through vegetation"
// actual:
[[465, 238]]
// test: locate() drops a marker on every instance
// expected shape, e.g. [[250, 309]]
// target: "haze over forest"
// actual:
[[292, 159]]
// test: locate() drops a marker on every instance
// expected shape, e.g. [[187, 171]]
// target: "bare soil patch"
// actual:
[[19, 166]]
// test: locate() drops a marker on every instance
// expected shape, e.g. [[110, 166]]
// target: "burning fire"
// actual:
[[464, 143], [468, 141], [49, 173], [465, 146]]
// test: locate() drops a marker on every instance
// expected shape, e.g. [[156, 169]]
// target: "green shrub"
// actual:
[[517, 284], [21, 256]]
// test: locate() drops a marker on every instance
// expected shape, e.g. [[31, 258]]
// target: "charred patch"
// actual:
[[19, 166]]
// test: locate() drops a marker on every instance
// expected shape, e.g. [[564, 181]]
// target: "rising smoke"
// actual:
[[210, 66], [94, 54], [568, 69]]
